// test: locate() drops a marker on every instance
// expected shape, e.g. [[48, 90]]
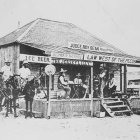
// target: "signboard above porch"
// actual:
[[85, 47], [67, 55], [72, 62], [110, 59], [35, 58]]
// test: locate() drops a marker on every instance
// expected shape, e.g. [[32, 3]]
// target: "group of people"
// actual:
[[64, 84], [109, 84], [24, 72], [106, 84], [6, 75]]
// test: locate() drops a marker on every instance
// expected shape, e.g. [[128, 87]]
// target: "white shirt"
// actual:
[[102, 74], [6, 72], [112, 82], [77, 81], [24, 72], [62, 80]]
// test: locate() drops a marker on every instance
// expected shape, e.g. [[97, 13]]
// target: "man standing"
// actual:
[[63, 83], [102, 76], [6, 71], [24, 73], [112, 84]]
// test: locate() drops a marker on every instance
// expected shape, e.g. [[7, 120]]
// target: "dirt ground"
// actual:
[[117, 128]]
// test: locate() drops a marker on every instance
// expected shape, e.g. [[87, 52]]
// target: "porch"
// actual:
[[68, 108]]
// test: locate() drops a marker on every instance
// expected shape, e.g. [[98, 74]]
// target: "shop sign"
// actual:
[[67, 55], [35, 58], [50, 69], [86, 47], [111, 59], [72, 62]]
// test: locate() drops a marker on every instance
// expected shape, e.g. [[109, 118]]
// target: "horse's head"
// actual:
[[35, 82], [31, 85], [14, 81]]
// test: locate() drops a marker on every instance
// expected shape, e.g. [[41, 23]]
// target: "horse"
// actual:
[[29, 92], [10, 91], [14, 91]]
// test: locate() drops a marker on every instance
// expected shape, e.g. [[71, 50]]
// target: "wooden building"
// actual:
[[68, 47]]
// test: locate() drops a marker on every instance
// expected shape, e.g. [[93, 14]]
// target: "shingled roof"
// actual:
[[51, 36]]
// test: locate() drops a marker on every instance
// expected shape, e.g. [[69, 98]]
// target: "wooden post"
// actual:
[[121, 78], [125, 79], [49, 102], [17, 58], [45, 81], [91, 80], [91, 105]]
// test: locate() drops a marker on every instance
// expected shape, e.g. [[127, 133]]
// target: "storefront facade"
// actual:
[[42, 42], [86, 63]]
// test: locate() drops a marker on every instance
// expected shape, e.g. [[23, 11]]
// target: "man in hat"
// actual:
[[6, 74], [102, 76], [112, 84], [24, 73], [63, 83], [6, 71], [78, 79], [80, 87]]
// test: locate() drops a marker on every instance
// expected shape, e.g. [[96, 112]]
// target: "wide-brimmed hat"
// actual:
[[78, 75], [62, 70], [25, 62]]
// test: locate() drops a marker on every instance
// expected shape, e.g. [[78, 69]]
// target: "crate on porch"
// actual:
[[100, 114]]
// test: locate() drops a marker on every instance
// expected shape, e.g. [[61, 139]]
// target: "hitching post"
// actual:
[[91, 103], [49, 70], [49, 103]]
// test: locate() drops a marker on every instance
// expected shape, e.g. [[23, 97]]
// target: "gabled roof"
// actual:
[[13, 36], [54, 36]]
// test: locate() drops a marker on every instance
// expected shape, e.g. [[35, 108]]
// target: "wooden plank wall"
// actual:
[[70, 108], [135, 102], [10, 52]]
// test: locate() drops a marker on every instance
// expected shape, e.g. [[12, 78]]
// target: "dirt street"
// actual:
[[118, 128]]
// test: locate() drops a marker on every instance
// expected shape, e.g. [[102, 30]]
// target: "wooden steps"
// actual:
[[122, 112], [116, 108], [114, 103]]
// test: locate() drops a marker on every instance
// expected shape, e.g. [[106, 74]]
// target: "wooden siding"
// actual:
[[65, 108], [135, 103], [10, 52]]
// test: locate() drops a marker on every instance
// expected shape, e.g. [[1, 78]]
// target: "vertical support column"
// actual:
[[49, 102], [91, 80], [45, 82], [16, 58], [121, 78], [91, 105], [125, 79]]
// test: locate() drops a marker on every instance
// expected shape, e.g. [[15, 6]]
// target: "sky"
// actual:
[[114, 21]]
